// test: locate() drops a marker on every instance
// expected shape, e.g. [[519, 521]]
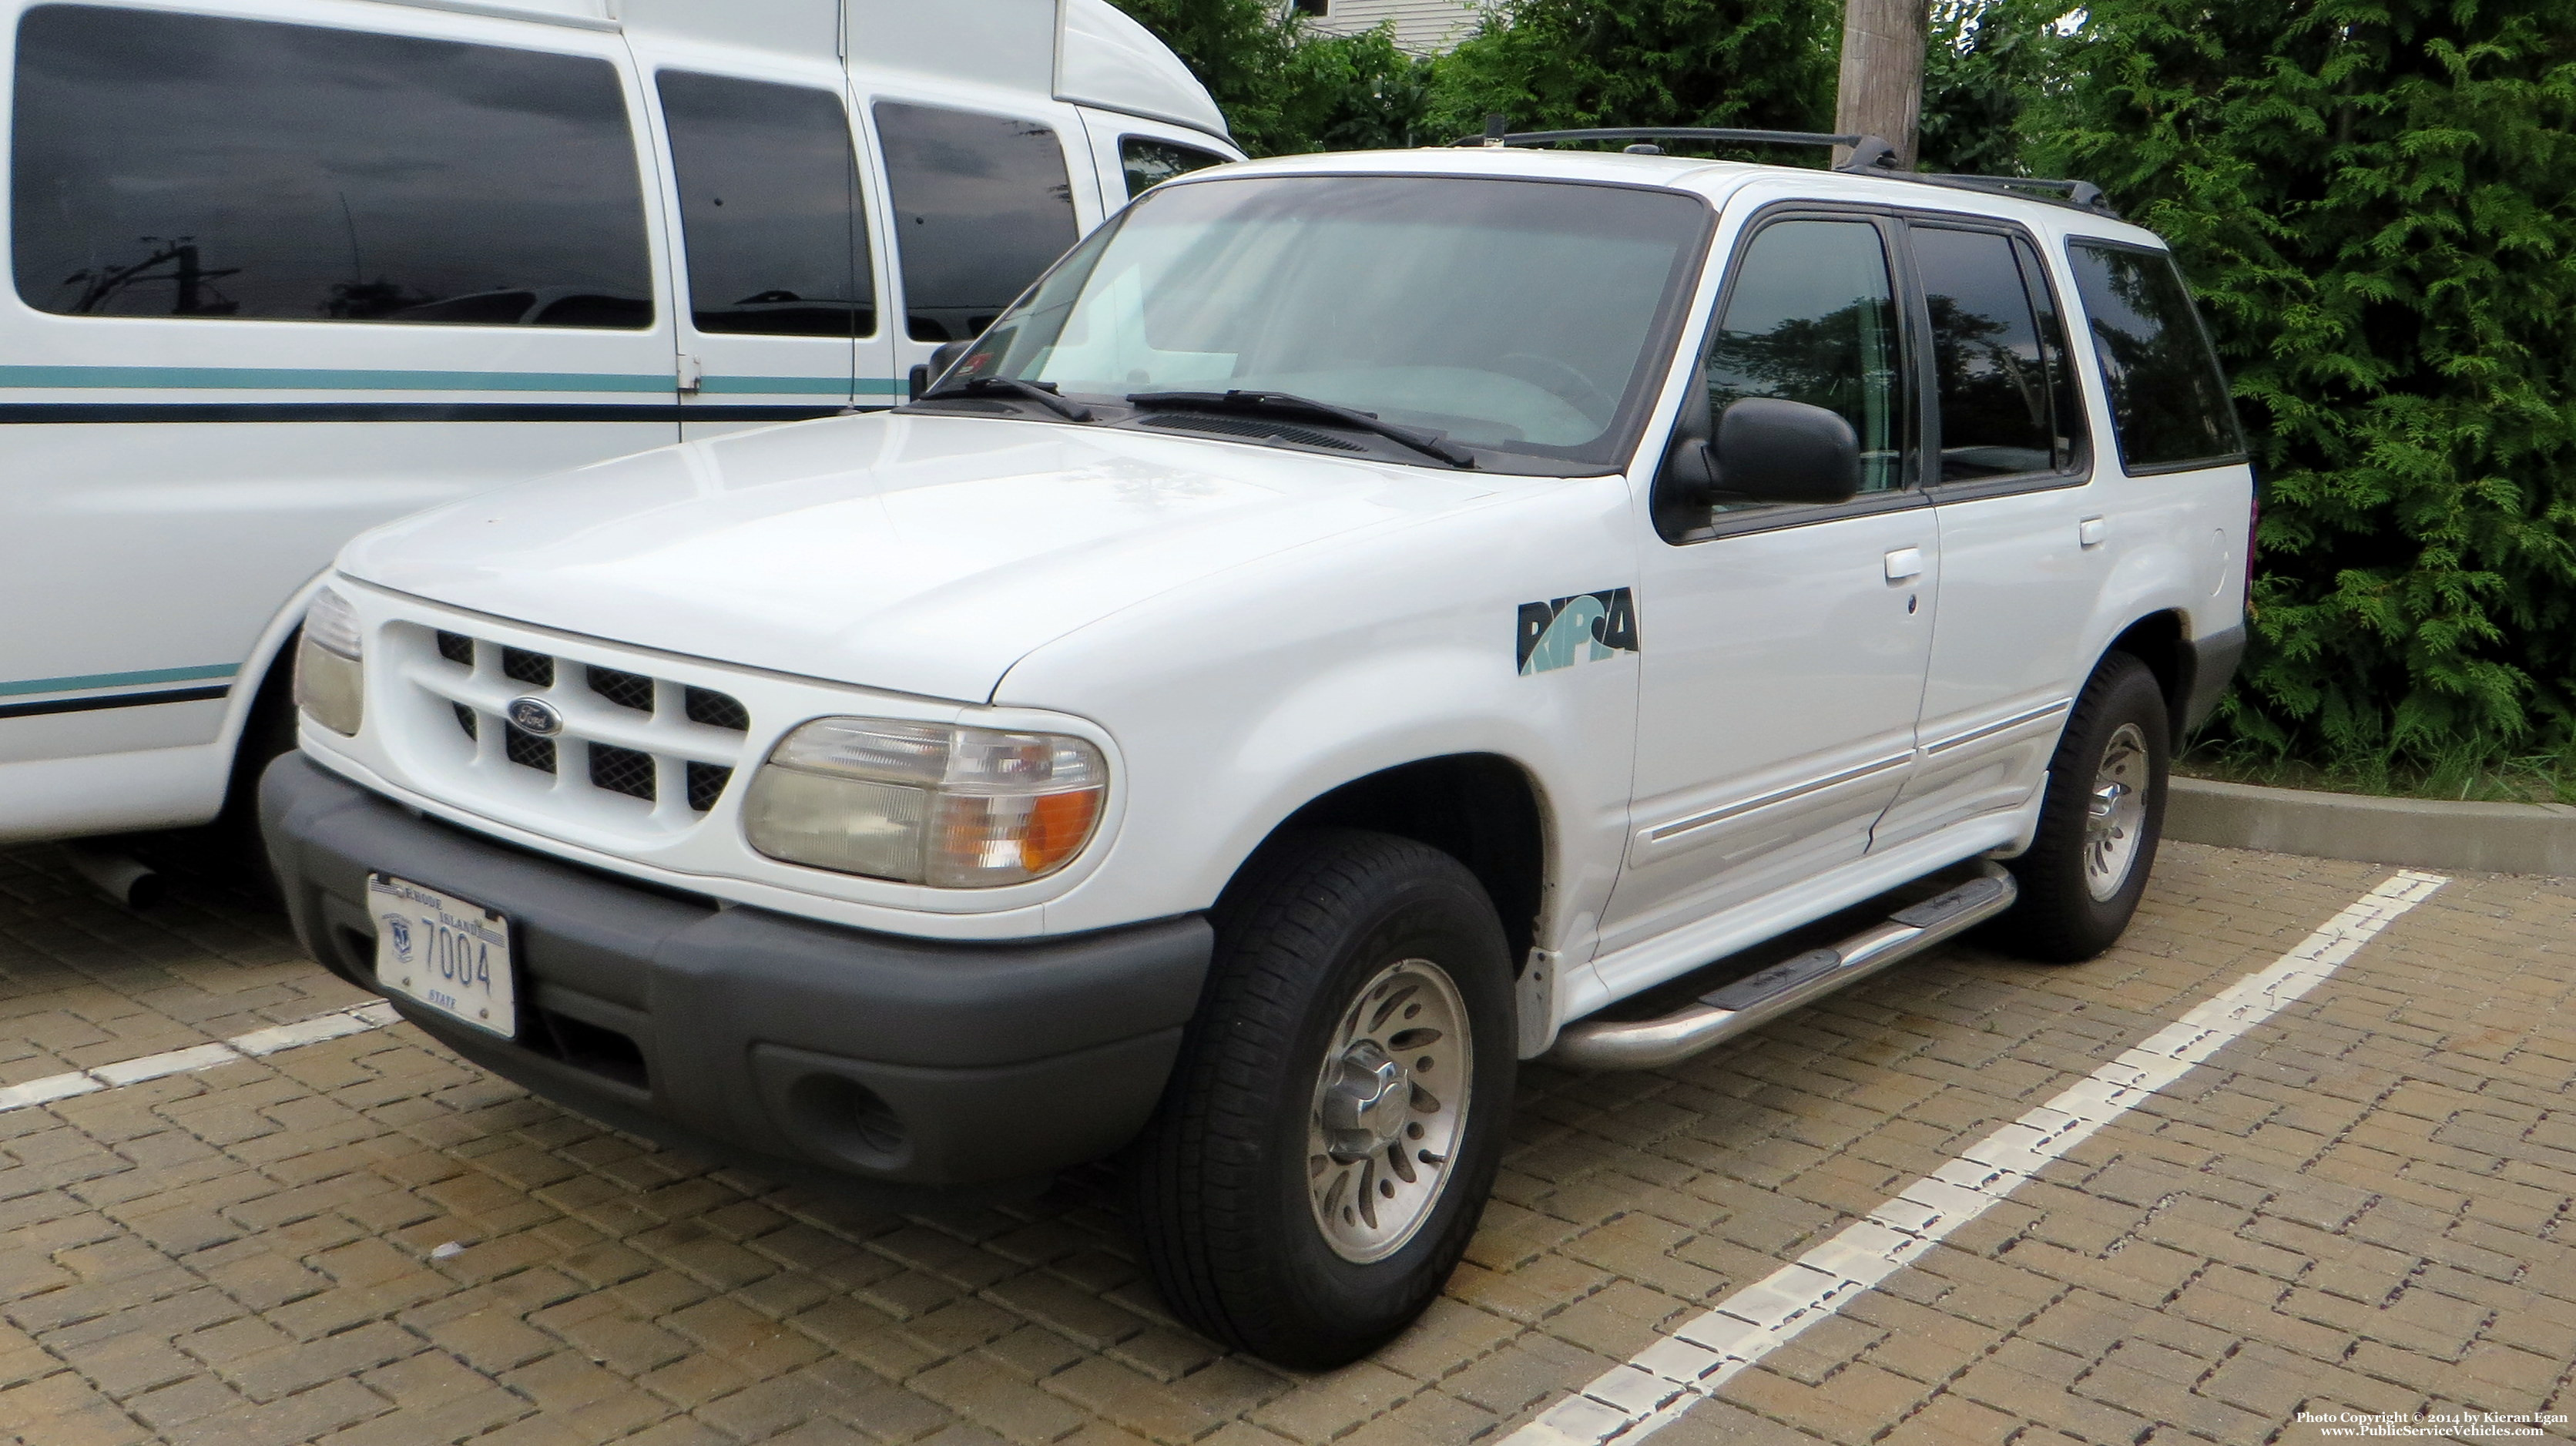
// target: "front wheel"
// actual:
[[2100, 823], [1332, 1127]]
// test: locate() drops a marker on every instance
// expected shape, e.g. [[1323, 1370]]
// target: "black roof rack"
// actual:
[[1870, 155]]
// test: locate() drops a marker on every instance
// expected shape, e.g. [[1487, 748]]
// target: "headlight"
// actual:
[[327, 673], [926, 803]]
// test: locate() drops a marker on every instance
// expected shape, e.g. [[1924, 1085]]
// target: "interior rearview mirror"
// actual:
[[1771, 450]]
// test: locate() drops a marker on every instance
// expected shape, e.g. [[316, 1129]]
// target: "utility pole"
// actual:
[[1881, 93]]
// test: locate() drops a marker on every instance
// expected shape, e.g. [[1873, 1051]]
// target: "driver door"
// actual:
[[1784, 645]]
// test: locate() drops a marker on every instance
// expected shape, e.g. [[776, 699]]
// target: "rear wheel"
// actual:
[[2099, 824], [1332, 1127]]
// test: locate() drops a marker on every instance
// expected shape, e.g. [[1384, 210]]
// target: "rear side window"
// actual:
[[1149, 162], [769, 207], [982, 204], [2168, 400], [181, 165], [1999, 373]]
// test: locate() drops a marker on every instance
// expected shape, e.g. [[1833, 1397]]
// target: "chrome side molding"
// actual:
[[1722, 1014]]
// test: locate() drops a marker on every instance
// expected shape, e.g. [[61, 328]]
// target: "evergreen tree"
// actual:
[[1987, 61], [1563, 64], [2377, 202]]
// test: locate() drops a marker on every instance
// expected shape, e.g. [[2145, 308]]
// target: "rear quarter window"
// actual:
[[2169, 404]]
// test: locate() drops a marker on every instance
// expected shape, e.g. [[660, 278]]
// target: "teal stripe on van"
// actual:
[[118, 680], [324, 379], [799, 386]]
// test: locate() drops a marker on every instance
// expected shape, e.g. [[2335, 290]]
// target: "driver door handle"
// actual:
[[1904, 564]]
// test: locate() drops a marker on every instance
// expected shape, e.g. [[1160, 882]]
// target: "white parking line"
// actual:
[[202, 1056], [1666, 1379]]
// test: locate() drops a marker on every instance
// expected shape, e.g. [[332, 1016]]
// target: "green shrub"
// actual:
[[2374, 201], [1285, 88]]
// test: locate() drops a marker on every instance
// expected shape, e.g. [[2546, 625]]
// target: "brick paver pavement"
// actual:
[[2362, 1206]]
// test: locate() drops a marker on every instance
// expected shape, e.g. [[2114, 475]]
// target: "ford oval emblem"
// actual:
[[534, 715]]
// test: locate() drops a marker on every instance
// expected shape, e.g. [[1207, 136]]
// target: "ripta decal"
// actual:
[[1585, 628]]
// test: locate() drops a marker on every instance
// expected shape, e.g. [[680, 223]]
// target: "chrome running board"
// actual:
[[1722, 1014]]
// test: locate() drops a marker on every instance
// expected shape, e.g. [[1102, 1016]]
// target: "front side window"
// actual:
[[1998, 368], [1811, 317], [982, 204], [186, 165], [769, 207], [1522, 317], [2169, 401], [1149, 162]]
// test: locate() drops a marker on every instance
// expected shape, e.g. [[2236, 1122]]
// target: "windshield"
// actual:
[[1517, 317]]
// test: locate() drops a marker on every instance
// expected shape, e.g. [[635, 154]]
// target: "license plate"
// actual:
[[448, 953]]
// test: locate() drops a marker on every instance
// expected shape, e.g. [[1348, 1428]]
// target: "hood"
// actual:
[[919, 554]]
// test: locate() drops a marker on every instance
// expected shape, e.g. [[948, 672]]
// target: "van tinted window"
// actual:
[[1149, 162], [2168, 401], [982, 204], [769, 207], [181, 165], [1991, 369]]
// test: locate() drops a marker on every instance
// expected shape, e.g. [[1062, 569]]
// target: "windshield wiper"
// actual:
[[1042, 393], [1428, 443]]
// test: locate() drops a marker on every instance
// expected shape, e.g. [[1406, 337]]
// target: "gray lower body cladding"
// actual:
[[758, 1034]]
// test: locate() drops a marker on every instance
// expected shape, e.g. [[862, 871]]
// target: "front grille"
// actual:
[[534, 669], [622, 770], [707, 784], [1247, 427], [716, 710], [527, 749], [626, 690], [620, 733]]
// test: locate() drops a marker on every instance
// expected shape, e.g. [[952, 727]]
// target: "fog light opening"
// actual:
[[844, 1118]]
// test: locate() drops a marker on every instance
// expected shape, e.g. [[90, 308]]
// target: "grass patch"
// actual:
[[2467, 776]]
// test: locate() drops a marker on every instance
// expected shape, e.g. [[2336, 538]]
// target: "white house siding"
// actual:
[[1421, 26]]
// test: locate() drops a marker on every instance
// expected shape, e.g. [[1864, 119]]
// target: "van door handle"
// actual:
[[2091, 531], [1904, 564]]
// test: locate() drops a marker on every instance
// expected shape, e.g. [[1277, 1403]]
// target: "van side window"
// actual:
[[185, 165], [1811, 318], [1999, 411], [982, 204], [2169, 402], [1149, 162], [769, 207]]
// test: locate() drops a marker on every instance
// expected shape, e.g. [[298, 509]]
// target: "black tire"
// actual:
[[1219, 1181], [2061, 918]]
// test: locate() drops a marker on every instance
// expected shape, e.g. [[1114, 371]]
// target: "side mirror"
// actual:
[[1770, 450], [1687, 483], [940, 361]]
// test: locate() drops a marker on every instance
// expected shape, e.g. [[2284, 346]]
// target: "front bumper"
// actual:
[[740, 1032]]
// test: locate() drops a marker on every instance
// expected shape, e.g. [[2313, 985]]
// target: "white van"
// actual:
[[284, 269]]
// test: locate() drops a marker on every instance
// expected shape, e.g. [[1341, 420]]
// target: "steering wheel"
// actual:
[[1568, 385]]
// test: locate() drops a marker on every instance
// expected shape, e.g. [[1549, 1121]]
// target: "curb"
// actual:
[[2504, 838]]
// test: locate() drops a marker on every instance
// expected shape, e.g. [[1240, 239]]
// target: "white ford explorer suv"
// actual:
[[1359, 622]]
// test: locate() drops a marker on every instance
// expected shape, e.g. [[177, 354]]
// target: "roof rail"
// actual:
[[1866, 150], [1870, 155], [2082, 195]]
